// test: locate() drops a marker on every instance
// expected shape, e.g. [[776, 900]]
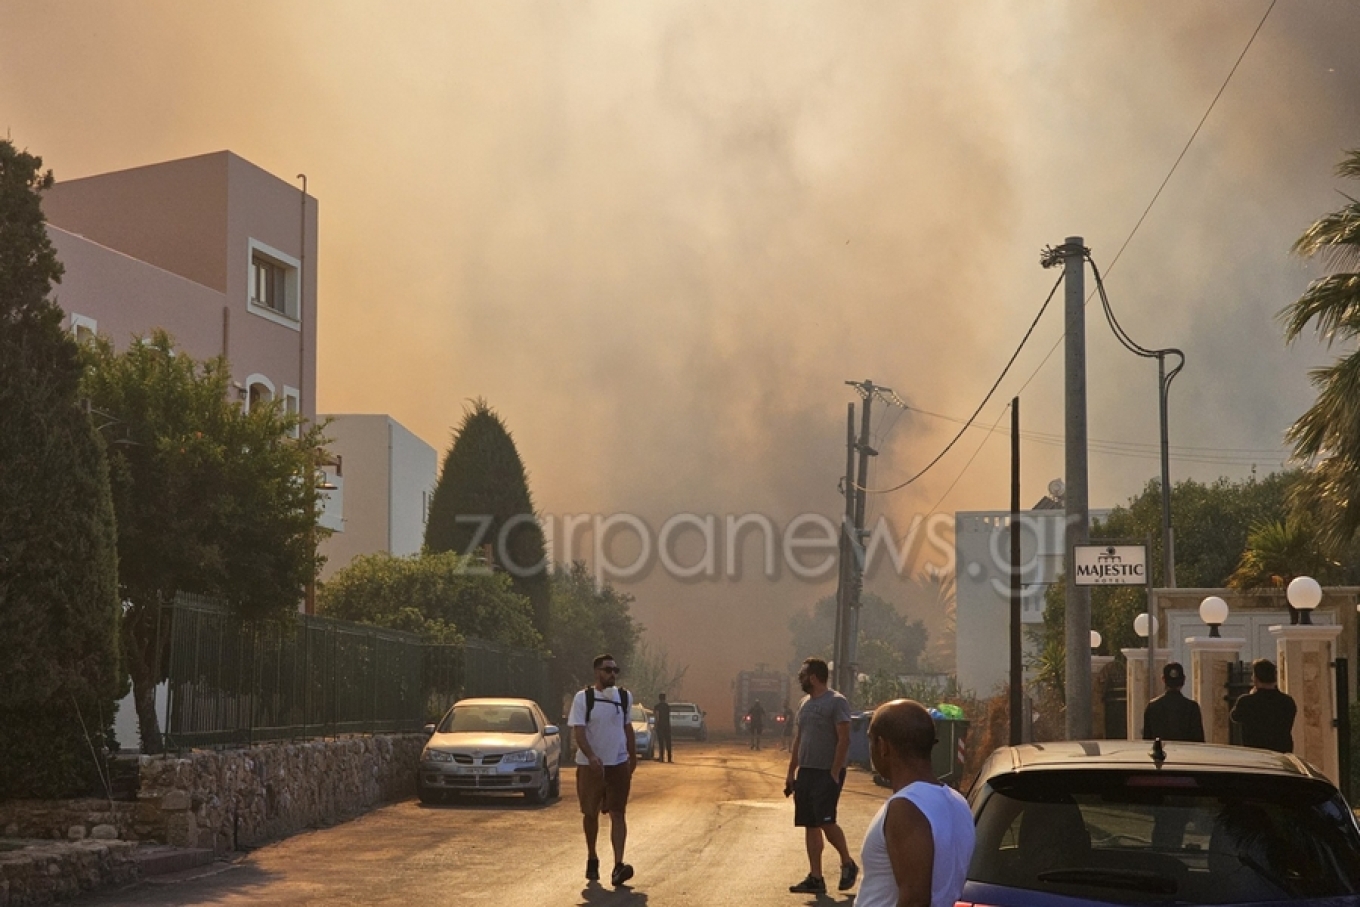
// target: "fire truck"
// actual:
[[771, 688]]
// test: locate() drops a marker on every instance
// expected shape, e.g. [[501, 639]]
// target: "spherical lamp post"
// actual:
[[1095, 640], [1140, 626], [1305, 594], [1213, 611]]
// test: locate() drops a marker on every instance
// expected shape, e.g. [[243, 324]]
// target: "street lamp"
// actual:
[[1140, 626], [1305, 594], [1213, 611], [1095, 640]]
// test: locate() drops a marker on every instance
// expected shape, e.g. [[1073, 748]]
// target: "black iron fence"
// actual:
[[232, 681]]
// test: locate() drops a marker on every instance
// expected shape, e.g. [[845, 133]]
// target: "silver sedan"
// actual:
[[489, 746]]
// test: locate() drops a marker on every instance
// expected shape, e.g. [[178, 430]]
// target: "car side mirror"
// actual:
[[550, 730], [429, 730]]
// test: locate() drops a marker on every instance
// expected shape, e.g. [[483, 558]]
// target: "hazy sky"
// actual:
[[658, 237]]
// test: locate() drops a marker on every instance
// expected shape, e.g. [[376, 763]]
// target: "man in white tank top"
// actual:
[[917, 848]]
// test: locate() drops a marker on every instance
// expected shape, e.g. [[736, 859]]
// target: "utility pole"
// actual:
[[846, 577], [846, 665], [1016, 677], [1078, 526]]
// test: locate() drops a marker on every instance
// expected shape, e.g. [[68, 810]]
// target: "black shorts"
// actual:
[[815, 795]]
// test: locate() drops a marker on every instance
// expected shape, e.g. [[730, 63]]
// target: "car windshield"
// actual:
[[489, 719], [637, 715], [683, 707], [1136, 837]]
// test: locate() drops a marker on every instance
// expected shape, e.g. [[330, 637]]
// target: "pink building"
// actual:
[[213, 249]]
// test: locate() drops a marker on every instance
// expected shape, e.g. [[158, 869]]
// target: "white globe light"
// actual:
[[1304, 593], [1213, 610], [1140, 625], [1095, 639]]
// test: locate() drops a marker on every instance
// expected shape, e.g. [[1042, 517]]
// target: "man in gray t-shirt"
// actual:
[[821, 745]]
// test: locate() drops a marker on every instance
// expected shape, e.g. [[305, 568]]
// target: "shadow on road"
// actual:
[[594, 894], [487, 802]]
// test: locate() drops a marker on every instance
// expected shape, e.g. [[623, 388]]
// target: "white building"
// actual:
[[982, 556], [384, 478]]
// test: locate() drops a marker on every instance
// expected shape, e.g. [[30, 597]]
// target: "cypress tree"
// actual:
[[60, 671], [482, 499]]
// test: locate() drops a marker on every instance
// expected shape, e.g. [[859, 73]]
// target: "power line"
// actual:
[[1167, 179], [1033, 324], [1050, 437], [1139, 223]]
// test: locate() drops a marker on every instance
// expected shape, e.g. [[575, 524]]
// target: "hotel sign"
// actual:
[[1109, 565]]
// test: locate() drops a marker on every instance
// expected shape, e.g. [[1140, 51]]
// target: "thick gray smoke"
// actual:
[[658, 238]]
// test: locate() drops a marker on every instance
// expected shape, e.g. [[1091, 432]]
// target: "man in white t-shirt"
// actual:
[[605, 759], [917, 848]]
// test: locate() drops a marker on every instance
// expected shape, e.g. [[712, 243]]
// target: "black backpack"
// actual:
[[622, 703]]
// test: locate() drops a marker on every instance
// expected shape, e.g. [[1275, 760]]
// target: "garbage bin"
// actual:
[[859, 738], [950, 752]]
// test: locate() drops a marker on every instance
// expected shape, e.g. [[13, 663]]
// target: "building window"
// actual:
[[267, 285], [273, 288], [259, 389], [84, 328], [292, 405]]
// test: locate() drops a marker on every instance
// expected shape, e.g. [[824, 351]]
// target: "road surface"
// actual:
[[712, 828]]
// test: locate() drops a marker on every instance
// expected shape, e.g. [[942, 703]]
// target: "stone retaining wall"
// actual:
[[239, 798], [226, 799], [67, 820], [38, 873]]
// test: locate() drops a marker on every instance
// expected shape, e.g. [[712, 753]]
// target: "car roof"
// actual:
[[495, 701], [1137, 754]]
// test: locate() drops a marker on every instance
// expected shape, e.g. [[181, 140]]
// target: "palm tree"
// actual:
[[1328, 434]]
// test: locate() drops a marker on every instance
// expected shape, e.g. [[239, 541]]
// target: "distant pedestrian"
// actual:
[[606, 755], [1266, 714], [821, 746], [1171, 716], [662, 711], [756, 719], [917, 848]]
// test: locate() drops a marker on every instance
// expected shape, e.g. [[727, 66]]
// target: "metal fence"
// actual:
[[231, 681]]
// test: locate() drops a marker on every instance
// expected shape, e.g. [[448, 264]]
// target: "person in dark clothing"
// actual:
[[1266, 714], [661, 712], [1171, 716], [756, 719]]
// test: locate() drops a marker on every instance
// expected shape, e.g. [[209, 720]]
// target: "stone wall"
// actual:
[[38, 873], [226, 799], [239, 798], [66, 820]]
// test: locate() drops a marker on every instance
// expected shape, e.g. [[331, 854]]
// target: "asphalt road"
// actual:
[[712, 828]]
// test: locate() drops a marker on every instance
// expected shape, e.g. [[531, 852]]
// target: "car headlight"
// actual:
[[436, 756], [525, 756]]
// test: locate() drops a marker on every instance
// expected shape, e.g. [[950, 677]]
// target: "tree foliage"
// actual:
[[889, 643], [589, 619], [443, 597], [1328, 433], [210, 498], [482, 504], [650, 672], [1212, 524], [59, 608]]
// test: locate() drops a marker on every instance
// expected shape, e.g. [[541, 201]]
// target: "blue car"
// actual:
[[1133, 822]]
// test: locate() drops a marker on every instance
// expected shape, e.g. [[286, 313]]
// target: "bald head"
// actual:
[[906, 726]]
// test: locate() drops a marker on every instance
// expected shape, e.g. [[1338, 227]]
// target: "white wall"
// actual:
[[388, 474], [414, 470]]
